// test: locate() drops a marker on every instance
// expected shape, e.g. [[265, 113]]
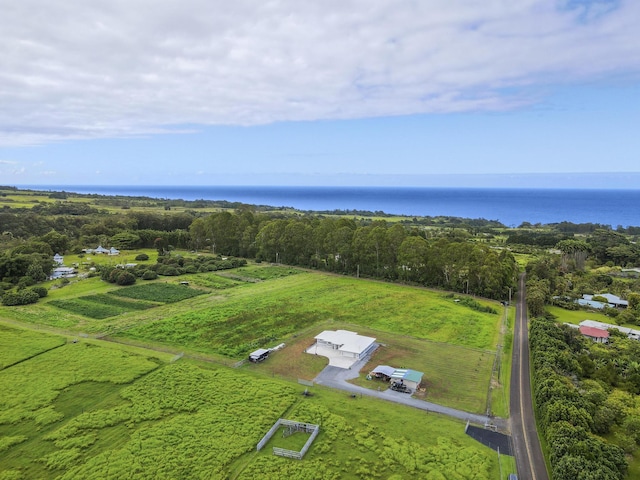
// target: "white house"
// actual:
[[100, 249], [62, 272], [348, 344], [596, 334], [59, 259], [114, 251]]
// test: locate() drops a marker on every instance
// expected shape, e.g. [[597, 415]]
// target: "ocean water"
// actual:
[[511, 207]]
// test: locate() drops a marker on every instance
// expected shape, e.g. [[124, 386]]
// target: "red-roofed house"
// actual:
[[596, 334]]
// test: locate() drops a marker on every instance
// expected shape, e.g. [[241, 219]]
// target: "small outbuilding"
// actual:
[[259, 355], [410, 378], [596, 334], [62, 272], [383, 372]]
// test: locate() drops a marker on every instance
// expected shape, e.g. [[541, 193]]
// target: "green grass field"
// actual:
[[96, 410], [99, 410], [17, 344], [257, 314], [577, 316]]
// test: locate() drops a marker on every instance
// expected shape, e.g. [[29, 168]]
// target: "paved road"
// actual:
[[529, 458], [336, 377]]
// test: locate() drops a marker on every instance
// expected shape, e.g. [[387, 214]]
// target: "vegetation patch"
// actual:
[[158, 292], [89, 309], [18, 344], [259, 314], [353, 445], [32, 386], [101, 306], [185, 421], [129, 305], [216, 282], [268, 273]]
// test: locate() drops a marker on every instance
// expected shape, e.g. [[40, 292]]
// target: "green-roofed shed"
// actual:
[[411, 378]]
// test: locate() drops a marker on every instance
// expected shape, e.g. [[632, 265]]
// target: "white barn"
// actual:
[[348, 344]]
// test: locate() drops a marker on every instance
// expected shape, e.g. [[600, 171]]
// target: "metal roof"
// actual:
[[384, 369], [347, 341], [594, 332], [407, 374]]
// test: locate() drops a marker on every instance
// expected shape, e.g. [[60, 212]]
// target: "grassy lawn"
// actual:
[[453, 375], [577, 316], [502, 377]]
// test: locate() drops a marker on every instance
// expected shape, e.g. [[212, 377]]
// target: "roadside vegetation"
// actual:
[[587, 394]]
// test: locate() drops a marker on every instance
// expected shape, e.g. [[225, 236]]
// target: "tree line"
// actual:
[[584, 391], [447, 257], [378, 249]]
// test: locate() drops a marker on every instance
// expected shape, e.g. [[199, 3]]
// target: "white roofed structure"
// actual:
[[348, 343]]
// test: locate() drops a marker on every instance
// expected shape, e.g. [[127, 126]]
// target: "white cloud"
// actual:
[[78, 69]]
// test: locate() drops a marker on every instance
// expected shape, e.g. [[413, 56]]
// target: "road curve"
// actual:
[[526, 444]]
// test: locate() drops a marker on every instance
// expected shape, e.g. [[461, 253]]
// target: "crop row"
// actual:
[[119, 302], [90, 308], [158, 292]]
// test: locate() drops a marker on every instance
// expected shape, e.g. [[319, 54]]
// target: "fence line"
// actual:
[[283, 452]]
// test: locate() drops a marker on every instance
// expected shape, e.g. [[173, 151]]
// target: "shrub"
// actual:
[[23, 297], [190, 269], [142, 257], [41, 291], [149, 275], [168, 270], [126, 278]]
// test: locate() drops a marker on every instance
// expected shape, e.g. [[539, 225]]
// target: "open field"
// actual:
[[95, 410], [258, 314], [18, 344], [280, 304], [112, 411]]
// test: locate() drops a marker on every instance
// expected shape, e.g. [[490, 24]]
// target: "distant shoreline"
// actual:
[[510, 206]]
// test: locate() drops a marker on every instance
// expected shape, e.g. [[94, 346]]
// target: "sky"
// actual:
[[331, 92]]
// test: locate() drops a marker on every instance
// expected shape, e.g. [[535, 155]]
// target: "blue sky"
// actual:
[[320, 93]]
